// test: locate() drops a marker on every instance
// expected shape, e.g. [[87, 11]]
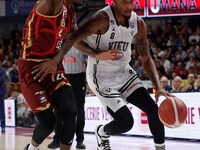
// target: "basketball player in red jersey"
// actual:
[[48, 24]]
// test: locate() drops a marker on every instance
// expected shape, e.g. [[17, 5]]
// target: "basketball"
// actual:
[[172, 112]]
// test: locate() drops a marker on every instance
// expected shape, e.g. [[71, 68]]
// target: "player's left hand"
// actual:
[[162, 92], [112, 54], [43, 69]]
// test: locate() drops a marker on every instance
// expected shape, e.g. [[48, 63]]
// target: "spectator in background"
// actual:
[[134, 57], [177, 85], [164, 62], [160, 51], [189, 62], [1, 43], [198, 55], [194, 36], [164, 84], [2, 96], [153, 46], [2, 56], [191, 82], [197, 84], [14, 31], [14, 74], [180, 68], [178, 59], [194, 68], [5, 35], [24, 115], [138, 68], [169, 72], [160, 68], [181, 52]]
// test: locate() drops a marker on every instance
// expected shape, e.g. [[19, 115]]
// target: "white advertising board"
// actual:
[[95, 114], [10, 117]]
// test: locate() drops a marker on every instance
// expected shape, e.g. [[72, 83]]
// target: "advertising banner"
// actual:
[[2, 9], [19, 7], [158, 8], [9, 105], [95, 114], [139, 6], [165, 8]]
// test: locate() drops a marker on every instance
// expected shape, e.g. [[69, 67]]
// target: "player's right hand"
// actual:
[[113, 54], [43, 69]]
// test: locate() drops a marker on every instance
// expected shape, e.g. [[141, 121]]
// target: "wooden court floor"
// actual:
[[17, 138]]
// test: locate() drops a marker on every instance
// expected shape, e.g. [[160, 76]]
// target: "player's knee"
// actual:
[[69, 114], [126, 124], [49, 126]]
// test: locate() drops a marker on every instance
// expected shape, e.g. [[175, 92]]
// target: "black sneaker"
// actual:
[[26, 148], [80, 146], [102, 141], [54, 144]]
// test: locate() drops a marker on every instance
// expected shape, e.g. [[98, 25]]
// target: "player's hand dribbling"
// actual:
[[43, 69], [113, 54], [162, 92]]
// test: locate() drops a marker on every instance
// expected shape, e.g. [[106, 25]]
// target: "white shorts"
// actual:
[[112, 86]]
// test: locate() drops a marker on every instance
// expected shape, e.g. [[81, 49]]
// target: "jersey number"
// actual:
[[112, 36], [60, 76]]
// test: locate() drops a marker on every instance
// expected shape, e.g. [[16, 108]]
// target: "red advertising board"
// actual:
[[164, 8], [158, 8], [139, 6]]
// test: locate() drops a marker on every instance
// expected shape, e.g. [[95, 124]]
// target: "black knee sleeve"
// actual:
[[46, 125], [123, 121], [64, 101]]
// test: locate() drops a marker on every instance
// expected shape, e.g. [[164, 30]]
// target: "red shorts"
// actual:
[[38, 94]]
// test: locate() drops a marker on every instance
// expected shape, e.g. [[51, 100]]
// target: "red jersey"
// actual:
[[43, 35]]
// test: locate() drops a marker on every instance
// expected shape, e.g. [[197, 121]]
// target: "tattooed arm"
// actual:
[[148, 64], [98, 24]]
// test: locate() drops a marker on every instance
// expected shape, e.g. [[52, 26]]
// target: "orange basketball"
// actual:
[[172, 112]]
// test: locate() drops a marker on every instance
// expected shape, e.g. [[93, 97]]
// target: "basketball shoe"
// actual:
[[27, 146], [102, 141]]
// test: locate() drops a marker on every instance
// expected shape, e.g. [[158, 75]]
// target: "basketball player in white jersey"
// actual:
[[115, 83]]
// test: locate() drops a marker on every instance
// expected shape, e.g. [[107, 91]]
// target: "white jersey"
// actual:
[[113, 81], [117, 37]]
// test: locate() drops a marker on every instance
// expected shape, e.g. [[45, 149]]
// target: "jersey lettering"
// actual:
[[120, 45]]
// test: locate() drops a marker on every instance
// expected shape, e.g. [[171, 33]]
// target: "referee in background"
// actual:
[[74, 63]]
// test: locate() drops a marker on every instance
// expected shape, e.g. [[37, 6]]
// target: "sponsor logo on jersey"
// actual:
[[62, 33], [132, 26], [120, 45], [40, 92]]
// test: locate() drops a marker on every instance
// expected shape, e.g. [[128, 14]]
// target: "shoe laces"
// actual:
[[106, 144]]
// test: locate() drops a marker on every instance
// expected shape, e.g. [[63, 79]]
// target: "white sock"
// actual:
[[31, 147], [160, 146], [101, 132]]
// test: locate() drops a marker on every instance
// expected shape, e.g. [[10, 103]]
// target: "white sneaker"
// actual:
[[102, 141]]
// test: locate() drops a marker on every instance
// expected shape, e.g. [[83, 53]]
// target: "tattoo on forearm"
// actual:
[[143, 47]]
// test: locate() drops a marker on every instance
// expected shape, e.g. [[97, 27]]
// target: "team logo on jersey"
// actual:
[[131, 22], [43, 99], [62, 33]]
